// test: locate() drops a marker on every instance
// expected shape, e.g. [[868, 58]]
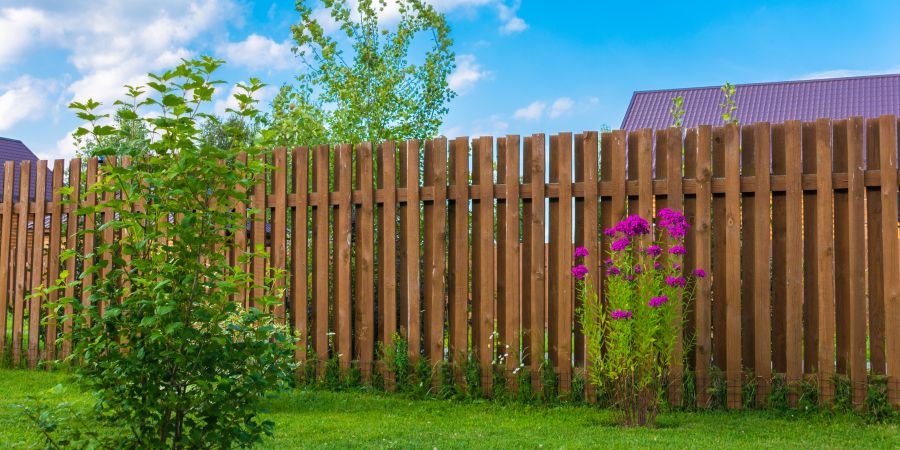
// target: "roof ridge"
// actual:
[[10, 139], [773, 83]]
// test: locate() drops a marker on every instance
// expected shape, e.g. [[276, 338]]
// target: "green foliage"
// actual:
[[718, 388], [524, 386], [579, 388], [749, 388], [729, 105], [423, 379], [809, 395], [878, 406], [171, 359], [677, 111], [549, 382], [779, 393], [396, 361], [367, 81], [446, 381], [472, 377]]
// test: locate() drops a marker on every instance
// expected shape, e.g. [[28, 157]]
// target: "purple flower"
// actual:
[[621, 244], [610, 232], [633, 226], [678, 250], [700, 273], [579, 271], [654, 250], [657, 265], [673, 222], [613, 271], [676, 266], [637, 268], [620, 314], [675, 281], [628, 278], [581, 252], [656, 302], [608, 261]]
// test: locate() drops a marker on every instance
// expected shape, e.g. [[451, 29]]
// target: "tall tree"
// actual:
[[362, 79]]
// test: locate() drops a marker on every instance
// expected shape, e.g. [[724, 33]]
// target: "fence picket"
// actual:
[[560, 287], [6, 267], [458, 273], [299, 250], [279, 225], [508, 284], [435, 177], [891, 259], [810, 261], [19, 282], [762, 254], [825, 257], [533, 313], [343, 346], [795, 286], [365, 262], [409, 247], [483, 258], [856, 260], [37, 267], [733, 373], [703, 257], [319, 310]]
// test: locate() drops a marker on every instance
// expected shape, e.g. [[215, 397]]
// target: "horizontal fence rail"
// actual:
[[464, 248]]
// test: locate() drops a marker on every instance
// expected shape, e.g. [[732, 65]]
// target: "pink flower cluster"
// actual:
[[620, 314], [632, 226], [579, 271], [656, 302], [675, 281], [673, 222]]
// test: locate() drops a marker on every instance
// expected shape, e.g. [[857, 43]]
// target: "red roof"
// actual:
[[836, 98]]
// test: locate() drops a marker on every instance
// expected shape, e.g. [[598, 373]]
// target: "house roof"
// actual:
[[836, 98], [15, 150]]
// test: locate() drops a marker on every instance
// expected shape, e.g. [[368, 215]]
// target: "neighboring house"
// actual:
[[808, 100], [15, 150]]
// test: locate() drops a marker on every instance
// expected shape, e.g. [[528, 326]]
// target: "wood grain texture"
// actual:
[[364, 313], [890, 252], [458, 273], [733, 373], [299, 301], [825, 257]]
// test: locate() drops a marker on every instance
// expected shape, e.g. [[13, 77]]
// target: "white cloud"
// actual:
[[533, 111], [467, 73], [843, 73], [512, 23], [258, 52], [560, 106], [25, 98], [19, 29]]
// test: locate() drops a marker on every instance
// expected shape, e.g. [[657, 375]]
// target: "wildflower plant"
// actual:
[[633, 331]]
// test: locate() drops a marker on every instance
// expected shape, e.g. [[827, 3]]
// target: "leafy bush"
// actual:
[[173, 355], [633, 336]]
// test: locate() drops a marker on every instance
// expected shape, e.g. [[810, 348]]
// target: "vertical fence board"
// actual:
[[732, 264], [856, 261], [37, 269], [320, 211], [675, 150], [21, 249], [560, 301], [458, 274], [258, 234], [762, 252], [279, 224], [240, 239], [508, 283], [703, 255], [341, 259], [107, 236], [748, 257], [435, 234], [71, 245], [387, 242], [891, 258], [409, 247], [586, 224], [365, 262], [483, 258], [299, 252], [825, 257], [841, 274], [5, 246], [779, 260], [533, 316], [810, 261], [874, 250], [718, 252], [795, 287]]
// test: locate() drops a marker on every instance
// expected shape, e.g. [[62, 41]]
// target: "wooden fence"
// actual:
[[795, 222]]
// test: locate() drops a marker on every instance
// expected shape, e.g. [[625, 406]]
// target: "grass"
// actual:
[[317, 419]]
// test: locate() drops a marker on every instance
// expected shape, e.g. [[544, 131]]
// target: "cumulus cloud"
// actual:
[[560, 106], [25, 98], [512, 23], [19, 29], [467, 74], [533, 111], [258, 52]]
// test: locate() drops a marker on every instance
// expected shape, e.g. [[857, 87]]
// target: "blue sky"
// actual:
[[523, 67]]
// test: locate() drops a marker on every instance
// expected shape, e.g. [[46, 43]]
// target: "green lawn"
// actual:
[[343, 420]]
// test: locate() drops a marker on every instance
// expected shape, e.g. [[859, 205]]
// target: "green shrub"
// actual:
[[172, 359]]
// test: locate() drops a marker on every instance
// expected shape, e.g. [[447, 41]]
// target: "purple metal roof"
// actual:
[[14, 150], [836, 98]]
